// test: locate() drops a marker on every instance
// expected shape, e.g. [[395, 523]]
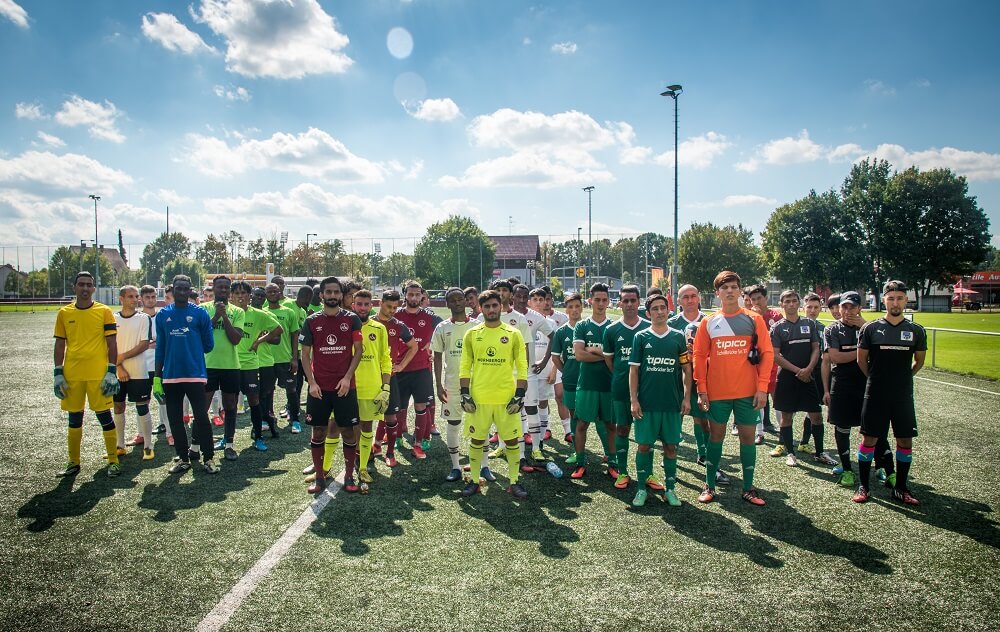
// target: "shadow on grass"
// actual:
[[63, 501], [957, 515], [715, 530]]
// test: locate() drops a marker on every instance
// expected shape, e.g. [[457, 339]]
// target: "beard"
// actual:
[[491, 318], [895, 311], [412, 304], [331, 302]]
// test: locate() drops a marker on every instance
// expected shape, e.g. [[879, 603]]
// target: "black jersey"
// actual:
[[793, 340], [843, 337], [890, 356]]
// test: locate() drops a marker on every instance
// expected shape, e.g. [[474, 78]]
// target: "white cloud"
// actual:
[[784, 151], [526, 41], [735, 200], [42, 172], [564, 48], [167, 196], [879, 87], [50, 140], [313, 153], [237, 93], [697, 152], [435, 110], [167, 30], [848, 152], [30, 111], [99, 119], [286, 40], [921, 83], [974, 165], [14, 12], [526, 169]]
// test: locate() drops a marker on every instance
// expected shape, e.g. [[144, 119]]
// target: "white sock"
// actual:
[[566, 427], [453, 437], [194, 447], [120, 428], [146, 428], [543, 416], [534, 429], [486, 455], [165, 420], [520, 445], [217, 403], [229, 444]]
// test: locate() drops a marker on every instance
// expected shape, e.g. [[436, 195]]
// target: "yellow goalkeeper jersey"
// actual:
[[375, 359], [491, 356]]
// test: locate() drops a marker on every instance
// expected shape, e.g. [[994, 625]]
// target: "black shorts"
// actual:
[[283, 373], [344, 409], [137, 391], [847, 399], [791, 395], [393, 396], [267, 379], [225, 380], [250, 381], [879, 414], [416, 384]]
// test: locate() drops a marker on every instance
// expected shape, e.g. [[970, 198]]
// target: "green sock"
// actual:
[[643, 466], [699, 438], [602, 433], [621, 453], [581, 459], [748, 458], [712, 458], [669, 471]]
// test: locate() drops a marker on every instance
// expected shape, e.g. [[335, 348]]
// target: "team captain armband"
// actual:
[[685, 358]]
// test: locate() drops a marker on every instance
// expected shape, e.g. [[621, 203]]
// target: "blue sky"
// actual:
[[361, 120]]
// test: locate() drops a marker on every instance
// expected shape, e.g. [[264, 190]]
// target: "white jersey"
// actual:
[[539, 330], [557, 317], [133, 330], [447, 340], [150, 354], [514, 319]]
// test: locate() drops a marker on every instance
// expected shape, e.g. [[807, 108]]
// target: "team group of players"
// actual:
[[494, 365]]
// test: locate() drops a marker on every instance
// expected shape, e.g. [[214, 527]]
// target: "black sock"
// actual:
[[865, 473], [767, 412], [817, 432], [807, 431], [785, 432], [883, 456], [843, 438], [902, 474]]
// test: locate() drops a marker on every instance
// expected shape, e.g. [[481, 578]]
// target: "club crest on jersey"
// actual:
[[906, 335], [331, 339], [372, 336], [344, 326], [504, 340], [392, 332], [804, 329], [421, 323], [190, 318]]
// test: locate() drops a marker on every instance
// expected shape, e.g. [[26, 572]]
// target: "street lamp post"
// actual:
[[673, 92], [590, 232], [309, 254], [97, 254], [578, 262]]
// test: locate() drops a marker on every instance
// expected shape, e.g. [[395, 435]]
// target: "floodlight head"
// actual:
[[673, 91]]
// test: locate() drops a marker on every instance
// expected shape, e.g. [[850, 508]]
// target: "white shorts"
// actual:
[[538, 390], [452, 409]]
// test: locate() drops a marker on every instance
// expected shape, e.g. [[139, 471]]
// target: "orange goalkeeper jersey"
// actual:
[[721, 345]]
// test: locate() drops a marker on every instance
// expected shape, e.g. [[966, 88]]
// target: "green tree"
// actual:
[[183, 265], [870, 220], [165, 248], [706, 249], [213, 253], [121, 247], [254, 260], [991, 261], [397, 268], [65, 263], [555, 284], [450, 251], [274, 252]]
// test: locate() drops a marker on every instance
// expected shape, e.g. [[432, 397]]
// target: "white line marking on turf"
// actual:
[[224, 610], [968, 388]]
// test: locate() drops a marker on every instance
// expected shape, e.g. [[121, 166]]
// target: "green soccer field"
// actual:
[[151, 551]]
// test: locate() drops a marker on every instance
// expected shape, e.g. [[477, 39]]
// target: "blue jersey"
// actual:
[[183, 337]]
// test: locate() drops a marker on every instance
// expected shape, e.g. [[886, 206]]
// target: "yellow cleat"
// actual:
[[364, 476], [148, 454]]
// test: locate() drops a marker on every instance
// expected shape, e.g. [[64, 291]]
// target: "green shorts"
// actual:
[[593, 406], [663, 426], [742, 410], [622, 413], [696, 410], [569, 397]]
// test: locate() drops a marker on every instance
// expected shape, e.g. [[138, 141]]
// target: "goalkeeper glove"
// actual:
[[468, 404], [381, 400], [61, 385], [516, 402], [110, 384], [158, 393]]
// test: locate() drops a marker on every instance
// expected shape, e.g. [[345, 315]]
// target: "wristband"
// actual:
[[385, 387], [519, 392], [112, 368], [57, 370], [464, 390]]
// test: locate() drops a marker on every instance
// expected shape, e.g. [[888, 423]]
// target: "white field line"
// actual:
[[968, 388]]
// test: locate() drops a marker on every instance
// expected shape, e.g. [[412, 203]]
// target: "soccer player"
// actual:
[[331, 349], [135, 331], [285, 353], [813, 306], [756, 297], [265, 369], [617, 346], [891, 351], [565, 360], [86, 352], [184, 334], [402, 348], [425, 304], [659, 394], [686, 321], [732, 368], [168, 295], [593, 391], [843, 382], [551, 386], [493, 379], [446, 343], [223, 361], [796, 352], [415, 379], [472, 301], [539, 327], [260, 328], [372, 379], [147, 297]]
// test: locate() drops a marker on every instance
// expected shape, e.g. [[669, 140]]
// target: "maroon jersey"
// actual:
[[332, 340], [399, 335], [422, 326]]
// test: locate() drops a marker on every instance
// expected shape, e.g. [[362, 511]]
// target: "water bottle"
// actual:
[[553, 469]]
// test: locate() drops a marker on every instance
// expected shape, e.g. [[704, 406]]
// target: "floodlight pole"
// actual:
[[590, 234], [673, 92], [97, 254]]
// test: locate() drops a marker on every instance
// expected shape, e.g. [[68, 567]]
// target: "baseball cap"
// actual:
[[850, 297]]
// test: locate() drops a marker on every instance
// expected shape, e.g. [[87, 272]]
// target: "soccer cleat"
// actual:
[[752, 496], [349, 485], [613, 471], [284, 413], [454, 475], [365, 477], [186, 419], [425, 444], [137, 440], [769, 427], [310, 477], [363, 488], [418, 453], [700, 461], [707, 495], [170, 440], [148, 454], [880, 475], [391, 461], [466, 468], [571, 459], [735, 431], [487, 475], [317, 487], [399, 443], [274, 431], [309, 469], [804, 447], [434, 432], [721, 478], [470, 490], [654, 484], [527, 438], [517, 491], [758, 440], [791, 461], [537, 456], [672, 498], [160, 429], [890, 481], [837, 471], [217, 421], [210, 466], [220, 444], [259, 445], [118, 452], [179, 467], [579, 473], [640, 498], [568, 438], [902, 495], [847, 479], [862, 495], [825, 459], [494, 439], [499, 452], [527, 466], [622, 481], [779, 450], [376, 449], [114, 469], [71, 469], [296, 427], [548, 435], [193, 456], [230, 454]]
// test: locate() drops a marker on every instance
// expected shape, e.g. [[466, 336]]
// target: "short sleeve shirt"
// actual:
[[224, 355], [890, 356], [492, 358], [660, 358], [332, 340], [617, 345], [399, 336], [290, 325], [132, 331], [594, 376], [843, 337], [422, 327], [84, 331], [793, 340], [562, 345], [255, 321], [447, 340]]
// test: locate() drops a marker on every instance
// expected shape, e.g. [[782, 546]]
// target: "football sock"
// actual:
[[453, 437], [543, 425], [165, 420], [476, 460], [602, 434], [713, 457], [73, 441], [107, 422], [514, 462], [390, 436], [403, 419], [669, 471], [748, 459], [643, 466], [817, 435], [318, 453], [699, 439], [904, 457], [866, 454], [843, 437], [229, 430], [330, 446], [567, 427], [145, 425], [883, 455], [785, 432], [350, 457], [256, 421], [621, 453], [535, 430], [420, 426], [365, 446], [520, 446], [808, 431], [120, 429]]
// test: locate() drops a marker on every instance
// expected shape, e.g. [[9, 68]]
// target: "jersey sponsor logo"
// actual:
[[906, 335], [894, 348], [372, 336], [504, 340], [344, 326], [331, 339], [730, 344], [491, 351], [657, 361], [319, 328]]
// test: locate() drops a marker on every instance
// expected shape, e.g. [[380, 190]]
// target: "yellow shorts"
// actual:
[[478, 424], [367, 410], [90, 391]]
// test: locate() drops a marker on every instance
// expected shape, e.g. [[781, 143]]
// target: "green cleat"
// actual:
[[672, 498], [890, 481], [114, 469], [571, 459], [848, 480], [640, 498]]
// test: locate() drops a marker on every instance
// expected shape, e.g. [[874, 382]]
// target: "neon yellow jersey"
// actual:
[[84, 331], [490, 358], [224, 355], [375, 360]]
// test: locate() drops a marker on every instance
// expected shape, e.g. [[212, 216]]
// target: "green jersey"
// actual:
[[594, 376], [224, 354], [255, 321], [660, 358], [618, 345], [290, 324], [680, 323], [562, 345]]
